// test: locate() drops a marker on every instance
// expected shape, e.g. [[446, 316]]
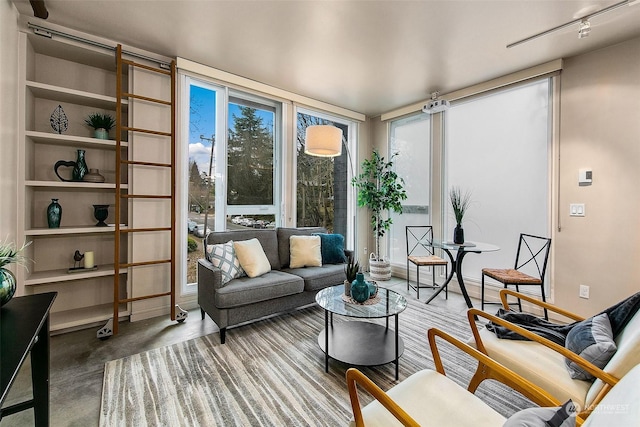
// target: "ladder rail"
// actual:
[[128, 162]]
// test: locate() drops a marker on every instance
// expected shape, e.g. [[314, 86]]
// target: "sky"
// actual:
[[202, 121]]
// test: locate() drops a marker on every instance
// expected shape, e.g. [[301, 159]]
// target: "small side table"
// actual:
[[24, 328]]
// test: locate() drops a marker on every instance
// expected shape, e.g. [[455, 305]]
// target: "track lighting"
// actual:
[[585, 29]]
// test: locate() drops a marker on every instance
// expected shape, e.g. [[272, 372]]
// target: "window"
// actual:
[[323, 189], [230, 171], [410, 138], [498, 147]]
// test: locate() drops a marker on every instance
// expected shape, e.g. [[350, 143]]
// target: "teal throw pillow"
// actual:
[[332, 248]]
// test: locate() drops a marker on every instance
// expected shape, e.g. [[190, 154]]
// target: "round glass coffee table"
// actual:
[[358, 342]]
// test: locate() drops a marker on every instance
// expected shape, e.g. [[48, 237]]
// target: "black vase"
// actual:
[[458, 235], [54, 214], [101, 212]]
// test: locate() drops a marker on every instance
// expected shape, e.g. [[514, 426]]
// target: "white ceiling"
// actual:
[[367, 56]]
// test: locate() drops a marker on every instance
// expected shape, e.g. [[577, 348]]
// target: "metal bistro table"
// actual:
[[456, 263], [356, 342]]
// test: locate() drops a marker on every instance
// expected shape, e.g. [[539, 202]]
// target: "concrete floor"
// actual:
[[78, 358]]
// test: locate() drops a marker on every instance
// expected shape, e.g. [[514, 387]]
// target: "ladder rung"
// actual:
[[138, 230], [135, 162], [146, 98], [165, 294], [153, 132], [144, 196], [138, 264], [147, 67]]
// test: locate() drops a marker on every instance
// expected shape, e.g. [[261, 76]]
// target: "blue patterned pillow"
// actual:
[[224, 257], [332, 248]]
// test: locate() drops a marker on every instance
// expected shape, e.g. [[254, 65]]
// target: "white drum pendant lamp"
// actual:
[[323, 141]]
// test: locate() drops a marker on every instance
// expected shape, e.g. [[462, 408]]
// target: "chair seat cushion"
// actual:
[[538, 364], [427, 260], [511, 276], [433, 400]]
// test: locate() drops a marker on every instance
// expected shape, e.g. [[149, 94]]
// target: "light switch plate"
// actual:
[[576, 209]]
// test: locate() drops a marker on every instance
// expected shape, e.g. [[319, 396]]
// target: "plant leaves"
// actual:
[[59, 121]]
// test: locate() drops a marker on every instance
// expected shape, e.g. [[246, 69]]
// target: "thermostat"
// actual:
[[585, 176]]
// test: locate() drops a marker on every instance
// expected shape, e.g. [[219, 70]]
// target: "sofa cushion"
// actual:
[[317, 278], [283, 235], [266, 237], [305, 251], [332, 248], [252, 257], [591, 339], [223, 256], [246, 290]]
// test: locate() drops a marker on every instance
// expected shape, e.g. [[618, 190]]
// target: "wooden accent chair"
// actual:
[[542, 362], [430, 398], [532, 255], [420, 254]]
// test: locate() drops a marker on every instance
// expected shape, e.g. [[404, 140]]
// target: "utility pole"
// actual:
[[212, 140]]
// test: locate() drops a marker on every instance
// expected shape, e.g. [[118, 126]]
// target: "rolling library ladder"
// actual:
[[160, 248]]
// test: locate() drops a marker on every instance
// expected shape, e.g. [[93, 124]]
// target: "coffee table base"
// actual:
[[361, 344]]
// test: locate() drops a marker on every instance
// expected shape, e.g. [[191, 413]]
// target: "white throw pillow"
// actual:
[[252, 257], [223, 256], [305, 251]]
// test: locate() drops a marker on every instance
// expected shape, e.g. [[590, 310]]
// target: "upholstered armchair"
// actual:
[[543, 362], [430, 398]]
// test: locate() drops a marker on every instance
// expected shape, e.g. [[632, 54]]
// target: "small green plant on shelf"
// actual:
[[100, 121]]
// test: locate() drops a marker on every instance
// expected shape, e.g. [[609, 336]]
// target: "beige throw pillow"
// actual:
[[305, 251], [252, 257]]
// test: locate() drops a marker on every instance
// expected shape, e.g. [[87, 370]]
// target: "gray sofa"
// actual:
[[282, 289]]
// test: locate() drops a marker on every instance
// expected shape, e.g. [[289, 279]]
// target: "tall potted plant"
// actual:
[[459, 204], [380, 189]]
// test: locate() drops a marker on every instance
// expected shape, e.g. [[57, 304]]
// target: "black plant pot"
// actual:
[[458, 235]]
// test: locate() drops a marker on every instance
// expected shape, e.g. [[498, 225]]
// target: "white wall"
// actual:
[[600, 129], [8, 118]]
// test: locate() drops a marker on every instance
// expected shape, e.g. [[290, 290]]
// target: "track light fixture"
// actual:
[[584, 24], [585, 29]]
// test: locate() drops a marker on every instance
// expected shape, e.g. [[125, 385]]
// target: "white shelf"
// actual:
[[83, 316], [62, 231], [61, 275], [71, 140], [73, 96], [75, 185]]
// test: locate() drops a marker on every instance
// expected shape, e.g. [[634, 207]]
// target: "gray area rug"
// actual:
[[271, 373]]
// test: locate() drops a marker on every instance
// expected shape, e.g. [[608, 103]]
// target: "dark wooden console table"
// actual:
[[24, 328]]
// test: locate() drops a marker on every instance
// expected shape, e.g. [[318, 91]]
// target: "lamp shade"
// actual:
[[323, 141]]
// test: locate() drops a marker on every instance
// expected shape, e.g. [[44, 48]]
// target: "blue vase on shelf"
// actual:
[[54, 214], [360, 289]]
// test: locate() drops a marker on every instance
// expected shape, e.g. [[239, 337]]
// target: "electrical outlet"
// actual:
[[584, 291]]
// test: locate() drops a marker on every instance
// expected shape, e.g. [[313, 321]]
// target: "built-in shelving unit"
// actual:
[[82, 80]]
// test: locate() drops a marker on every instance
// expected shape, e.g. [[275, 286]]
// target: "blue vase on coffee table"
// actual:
[[360, 289]]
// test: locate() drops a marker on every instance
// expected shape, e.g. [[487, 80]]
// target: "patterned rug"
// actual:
[[271, 373]]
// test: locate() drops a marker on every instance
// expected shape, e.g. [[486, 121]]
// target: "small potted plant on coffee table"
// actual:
[[351, 268]]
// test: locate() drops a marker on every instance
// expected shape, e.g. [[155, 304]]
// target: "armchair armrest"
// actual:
[[504, 293], [608, 379], [355, 378]]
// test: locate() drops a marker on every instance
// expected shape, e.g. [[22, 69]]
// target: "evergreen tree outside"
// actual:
[[250, 159]]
